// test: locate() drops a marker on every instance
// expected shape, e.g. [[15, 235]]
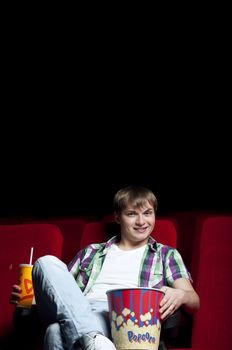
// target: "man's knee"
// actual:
[[53, 338], [53, 329], [46, 261]]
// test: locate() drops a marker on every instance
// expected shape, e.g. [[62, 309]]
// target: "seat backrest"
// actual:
[[95, 232], [213, 282], [71, 229], [165, 231], [186, 223], [15, 246]]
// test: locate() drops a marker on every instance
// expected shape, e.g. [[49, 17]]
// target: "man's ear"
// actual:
[[117, 218]]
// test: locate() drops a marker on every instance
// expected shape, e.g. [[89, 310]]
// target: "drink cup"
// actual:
[[25, 282], [134, 317]]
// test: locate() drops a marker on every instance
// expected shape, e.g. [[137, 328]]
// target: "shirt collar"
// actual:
[[151, 243]]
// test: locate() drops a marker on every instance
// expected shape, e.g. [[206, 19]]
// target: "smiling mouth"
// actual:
[[141, 230]]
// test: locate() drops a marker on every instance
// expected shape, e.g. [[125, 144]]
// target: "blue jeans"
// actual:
[[66, 312]]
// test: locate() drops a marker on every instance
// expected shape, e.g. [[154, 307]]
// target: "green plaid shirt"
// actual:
[[161, 265]]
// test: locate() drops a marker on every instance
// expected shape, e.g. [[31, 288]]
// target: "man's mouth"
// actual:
[[141, 230]]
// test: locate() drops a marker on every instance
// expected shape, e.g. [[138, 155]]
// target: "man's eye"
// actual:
[[148, 213], [131, 214]]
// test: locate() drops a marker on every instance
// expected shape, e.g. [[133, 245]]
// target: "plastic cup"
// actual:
[[25, 282], [134, 317]]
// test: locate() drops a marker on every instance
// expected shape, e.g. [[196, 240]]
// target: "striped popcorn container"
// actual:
[[134, 317]]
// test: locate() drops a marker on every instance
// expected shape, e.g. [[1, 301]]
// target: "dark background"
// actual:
[[83, 116], [75, 169]]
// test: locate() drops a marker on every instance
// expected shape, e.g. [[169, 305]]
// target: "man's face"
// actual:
[[137, 223]]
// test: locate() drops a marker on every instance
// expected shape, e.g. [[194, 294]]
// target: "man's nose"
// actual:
[[140, 220]]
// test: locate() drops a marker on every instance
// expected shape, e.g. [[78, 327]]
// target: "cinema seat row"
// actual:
[[208, 258]]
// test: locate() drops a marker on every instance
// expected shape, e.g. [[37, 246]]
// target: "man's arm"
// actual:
[[181, 294]]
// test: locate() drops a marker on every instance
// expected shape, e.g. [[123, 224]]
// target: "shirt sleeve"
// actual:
[[74, 265], [175, 267]]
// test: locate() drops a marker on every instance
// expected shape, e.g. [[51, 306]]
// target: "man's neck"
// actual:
[[127, 245]]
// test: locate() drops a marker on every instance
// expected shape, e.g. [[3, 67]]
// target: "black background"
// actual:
[[84, 115], [75, 167]]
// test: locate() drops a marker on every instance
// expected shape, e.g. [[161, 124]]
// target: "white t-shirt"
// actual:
[[120, 270]]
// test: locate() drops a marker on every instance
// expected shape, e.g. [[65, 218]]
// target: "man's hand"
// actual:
[[180, 294], [15, 294], [170, 302]]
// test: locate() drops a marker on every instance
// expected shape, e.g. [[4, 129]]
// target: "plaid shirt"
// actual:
[[161, 265]]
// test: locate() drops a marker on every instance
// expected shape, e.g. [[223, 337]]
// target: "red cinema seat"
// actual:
[[15, 246], [212, 274], [186, 222], [71, 229], [211, 327], [165, 231], [95, 232]]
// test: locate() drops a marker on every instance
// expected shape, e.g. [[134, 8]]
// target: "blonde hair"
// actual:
[[137, 196]]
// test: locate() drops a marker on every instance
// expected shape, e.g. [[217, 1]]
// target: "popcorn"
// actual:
[[119, 320], [140, 338], [134, 315], [129, 332], [114, 315], [125, 312], [145, 317]]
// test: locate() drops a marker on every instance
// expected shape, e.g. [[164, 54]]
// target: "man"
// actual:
[[73, 302]]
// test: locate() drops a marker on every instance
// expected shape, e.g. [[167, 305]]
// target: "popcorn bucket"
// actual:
[[134, 317]]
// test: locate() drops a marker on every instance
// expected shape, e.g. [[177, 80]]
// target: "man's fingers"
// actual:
[[166, 312], [16, 288]]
